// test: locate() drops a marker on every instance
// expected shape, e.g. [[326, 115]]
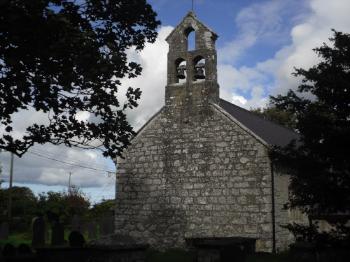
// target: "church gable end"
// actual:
[[194, 170], [204, 178]]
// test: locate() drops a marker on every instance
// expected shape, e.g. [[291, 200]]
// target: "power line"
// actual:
[[69, 163], [52, 155]]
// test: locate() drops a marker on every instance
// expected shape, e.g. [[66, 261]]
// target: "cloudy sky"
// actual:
[[260, 42]]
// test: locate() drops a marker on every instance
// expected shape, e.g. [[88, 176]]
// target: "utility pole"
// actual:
[[1, 181], [69, 183], [9, 207]]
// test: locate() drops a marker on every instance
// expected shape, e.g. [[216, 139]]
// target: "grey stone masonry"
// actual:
[[203, 178], [193, 170], [192, 90]]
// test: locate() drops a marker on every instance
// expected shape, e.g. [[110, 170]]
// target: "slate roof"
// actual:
[[272, 133]]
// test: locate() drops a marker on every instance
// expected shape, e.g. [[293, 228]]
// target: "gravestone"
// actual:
[[91, 229], [57, 235], [107, 225], [76, 224], [9, 250], [39, 231], [76, 239], [24, 249], [4, 231], [224, 249]]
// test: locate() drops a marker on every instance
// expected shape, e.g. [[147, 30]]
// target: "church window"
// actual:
[[181, 73], [199, 68]]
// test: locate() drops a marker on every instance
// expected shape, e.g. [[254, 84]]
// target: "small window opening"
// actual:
[[191, 39], [181, 73], [199, 68]]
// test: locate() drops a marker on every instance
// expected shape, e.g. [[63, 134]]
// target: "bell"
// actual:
[[199, 71], [181, 72]]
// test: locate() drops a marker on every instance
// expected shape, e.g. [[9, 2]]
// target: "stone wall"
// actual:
[[194, 173], [284, 237]]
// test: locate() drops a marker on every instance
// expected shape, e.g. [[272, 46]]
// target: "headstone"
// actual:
[[4, 231], [38, 238], [76, 224], [91, 229], [106, 225], [57, 234], [76, 239], [24, 249], [9, 250]]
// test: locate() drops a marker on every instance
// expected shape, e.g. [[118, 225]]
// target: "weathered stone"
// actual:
[[76, 223], [200, 171], [4, 231], [39, 232], [91, 229], [106, 225], [57, 234]]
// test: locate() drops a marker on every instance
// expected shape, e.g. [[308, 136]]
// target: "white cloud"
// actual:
[[152, 82], [259, 22], [38, 166], [311, 33], [241, 86], [32, 168], [275, 75], [82, 116], [245, 86]]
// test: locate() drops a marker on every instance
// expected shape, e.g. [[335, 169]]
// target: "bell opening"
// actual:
[[181, 74], [199, 69]]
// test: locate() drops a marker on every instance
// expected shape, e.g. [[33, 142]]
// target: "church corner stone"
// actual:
[[191, 171]]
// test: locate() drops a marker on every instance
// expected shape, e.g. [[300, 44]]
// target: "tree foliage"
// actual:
[[320, 182], [24, 206], [54, 206], [63, 205], [102, 208], [63, 57]]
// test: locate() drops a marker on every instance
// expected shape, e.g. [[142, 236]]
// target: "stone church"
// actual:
[[200, 168]]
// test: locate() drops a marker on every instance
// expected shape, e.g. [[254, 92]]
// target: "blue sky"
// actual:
[[259, 44], [223, 17]]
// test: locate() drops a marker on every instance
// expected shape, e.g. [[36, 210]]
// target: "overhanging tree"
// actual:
[[320, 181], [63, 57]]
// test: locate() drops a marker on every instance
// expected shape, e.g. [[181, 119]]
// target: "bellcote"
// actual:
[[192, 74]]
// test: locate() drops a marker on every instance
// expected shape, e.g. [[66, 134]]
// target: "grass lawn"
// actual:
[[18, 238], [26, 238]]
